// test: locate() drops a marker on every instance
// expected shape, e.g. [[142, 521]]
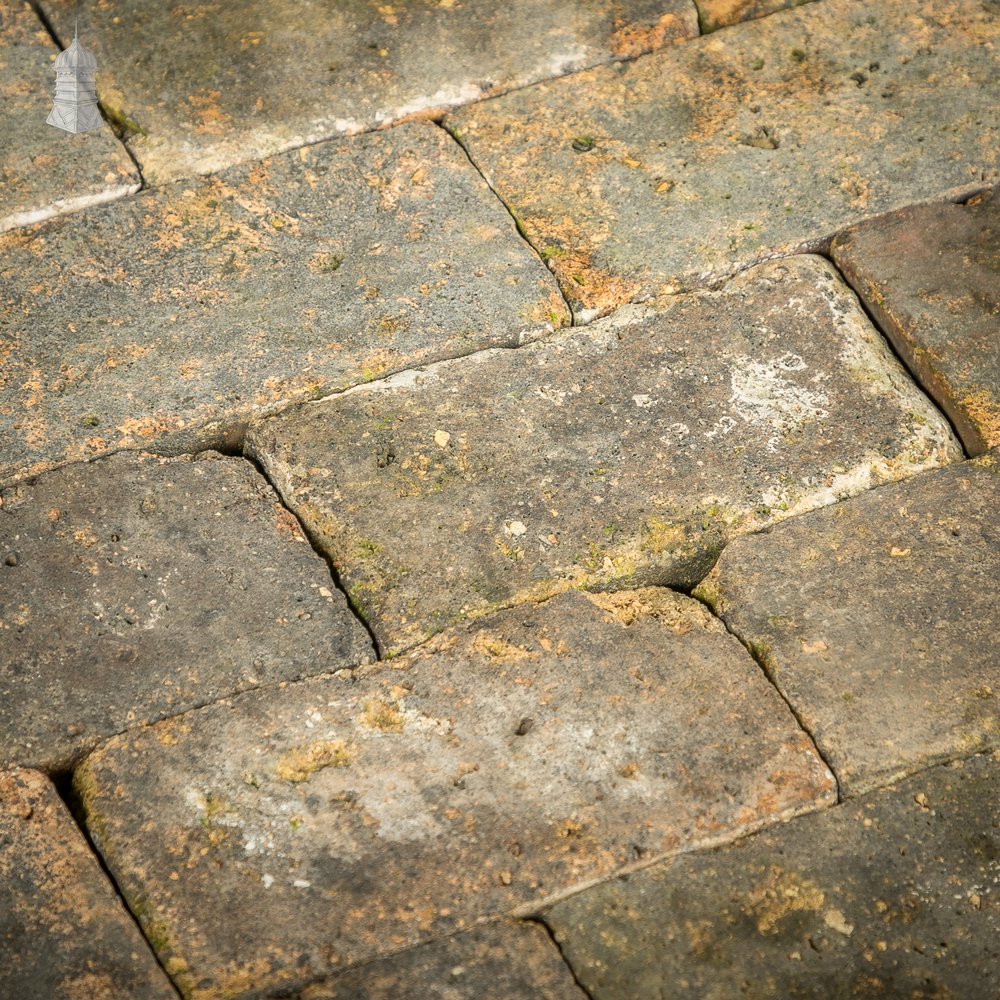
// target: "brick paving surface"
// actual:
[[45, 171], [624, 453], [167, 319], [941, 311], [63, 931], [877, 620], [551, 746], [125, 574], [683, 167], [454, 558], [496, 962], [893, 895], [204, 87]]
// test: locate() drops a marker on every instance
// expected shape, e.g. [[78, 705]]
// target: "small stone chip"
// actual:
[[835, 920]]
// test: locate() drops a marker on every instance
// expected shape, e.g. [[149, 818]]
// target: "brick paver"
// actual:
[[893, 895], [763, 139], [877, 619], [45, 171], [63, 932], [503, 961], [284, 833], [136, 588], [931, 276], [166, 319], [623, 453], [219, 85]]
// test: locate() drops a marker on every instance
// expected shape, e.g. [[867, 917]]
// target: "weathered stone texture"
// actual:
[[931, 277], [229, 83], [502, 961], [165, 320], [877, 619], [715, 14], [135, 588], [757, 141], [285, 834], [64, 935], [43, 170], [613, 456], [894, 895]]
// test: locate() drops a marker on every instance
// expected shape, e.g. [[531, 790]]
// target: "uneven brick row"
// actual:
[[222, 85], [612, 456], [767, 138], [890, 895], [281, 835], [163, 321]]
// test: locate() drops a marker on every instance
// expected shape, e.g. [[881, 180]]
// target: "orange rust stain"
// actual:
[[573, 265], [211, 119], [144, 428], [984, 412], [719, 13], [286, 524], [635, 39]]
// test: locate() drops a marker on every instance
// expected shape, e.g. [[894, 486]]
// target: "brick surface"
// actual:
[[209, 87], [496, 962], [893, 895], [135, 588], [165, 320], [931, 277], [620, 454], [715, 14], [279, 836], [757, 141], [63, 932], [43, 170], [877, 620]]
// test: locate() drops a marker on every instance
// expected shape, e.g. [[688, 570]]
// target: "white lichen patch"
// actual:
[[446, 97], [764, 396]]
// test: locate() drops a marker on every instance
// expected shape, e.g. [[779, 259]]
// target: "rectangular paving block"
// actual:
[[286, 834], [761, 140], [64, 934], [496, 961], [930, 275], [134, 588], [45, 171], [877, 619], [893, 895], [199, 88], [163, 321], [612, 456]]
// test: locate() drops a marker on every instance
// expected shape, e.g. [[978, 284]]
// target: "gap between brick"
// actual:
[[434, 116], [510, 212], [877, 327], [313, 543], [558, 947], [63, 783], [781, 694], [50, 29]]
